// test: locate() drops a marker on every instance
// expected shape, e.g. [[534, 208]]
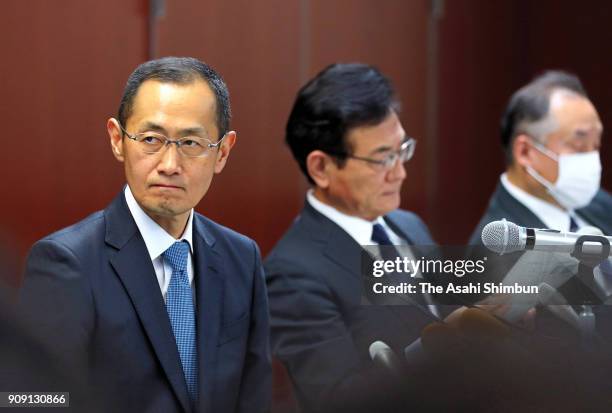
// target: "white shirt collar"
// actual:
[[358, 228], [155, 237], [551, 215]]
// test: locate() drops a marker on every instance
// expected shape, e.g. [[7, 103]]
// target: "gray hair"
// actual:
[[528, 110]]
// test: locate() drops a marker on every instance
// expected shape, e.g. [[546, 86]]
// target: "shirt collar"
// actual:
[[155, 237], [551, 215], [358, 228]]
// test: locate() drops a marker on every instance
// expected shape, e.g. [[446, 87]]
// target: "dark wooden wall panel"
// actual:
[[479, 62], [488, 50], [63, 67], [576, 37]]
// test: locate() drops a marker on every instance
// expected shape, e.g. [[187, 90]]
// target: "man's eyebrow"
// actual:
[[152, 126], [583, 132], [387, 148], [381, 149], [196, 130]]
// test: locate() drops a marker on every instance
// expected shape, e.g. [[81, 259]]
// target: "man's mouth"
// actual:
[[165, 186]]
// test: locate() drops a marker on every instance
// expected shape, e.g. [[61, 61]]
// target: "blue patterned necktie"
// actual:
[[179, 304]]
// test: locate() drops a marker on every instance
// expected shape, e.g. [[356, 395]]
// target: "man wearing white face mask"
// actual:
[[551, 134]]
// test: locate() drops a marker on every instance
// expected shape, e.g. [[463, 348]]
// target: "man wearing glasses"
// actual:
[[162, 308], [346, 136]]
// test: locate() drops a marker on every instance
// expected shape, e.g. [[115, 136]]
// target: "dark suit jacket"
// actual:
[[91, 291], [320, 330], [504, 205]]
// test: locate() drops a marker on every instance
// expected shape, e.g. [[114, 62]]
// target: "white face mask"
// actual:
[[578, 180]]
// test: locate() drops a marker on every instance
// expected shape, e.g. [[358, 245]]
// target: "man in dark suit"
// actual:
[[165, 309], [345, 134], [551, 135]]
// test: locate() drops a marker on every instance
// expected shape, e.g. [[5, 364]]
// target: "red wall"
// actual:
[[63, 66], [64, 63]]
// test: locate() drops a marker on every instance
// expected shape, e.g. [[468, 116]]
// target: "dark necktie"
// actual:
[[179, 304], [573, 225], [379, 235], [389, 253]]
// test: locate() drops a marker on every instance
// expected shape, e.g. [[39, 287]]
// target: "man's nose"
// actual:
[[170, 161], [397, 171], [593, 145]]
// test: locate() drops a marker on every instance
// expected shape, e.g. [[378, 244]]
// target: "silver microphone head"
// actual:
[[501, 236], [378, 347]]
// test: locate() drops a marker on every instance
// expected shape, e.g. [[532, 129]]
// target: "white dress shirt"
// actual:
[[361, 231], [551, 215], [358, 228], [554, 217], [157, 240]]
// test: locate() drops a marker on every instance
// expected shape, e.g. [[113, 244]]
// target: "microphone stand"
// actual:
[[578, 286]]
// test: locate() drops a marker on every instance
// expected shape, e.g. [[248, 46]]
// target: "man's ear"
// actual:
[[116, 138], [318, 164], [522, 150], [224, 150]]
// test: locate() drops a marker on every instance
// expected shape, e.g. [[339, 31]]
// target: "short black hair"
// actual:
[[339, 98], [179, 70], [531, 104]]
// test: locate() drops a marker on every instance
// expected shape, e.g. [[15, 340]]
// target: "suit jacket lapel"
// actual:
[[135, 269], [510, 206], [597, 212], [341, 248], [336, 244], [399, 229], [602, 224], [210, 287]]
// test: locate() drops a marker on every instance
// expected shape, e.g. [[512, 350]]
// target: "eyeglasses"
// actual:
[[404, 154], [191, 146]]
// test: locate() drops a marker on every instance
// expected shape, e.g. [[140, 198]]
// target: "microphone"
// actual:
[[504, 237], [383, 356]]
